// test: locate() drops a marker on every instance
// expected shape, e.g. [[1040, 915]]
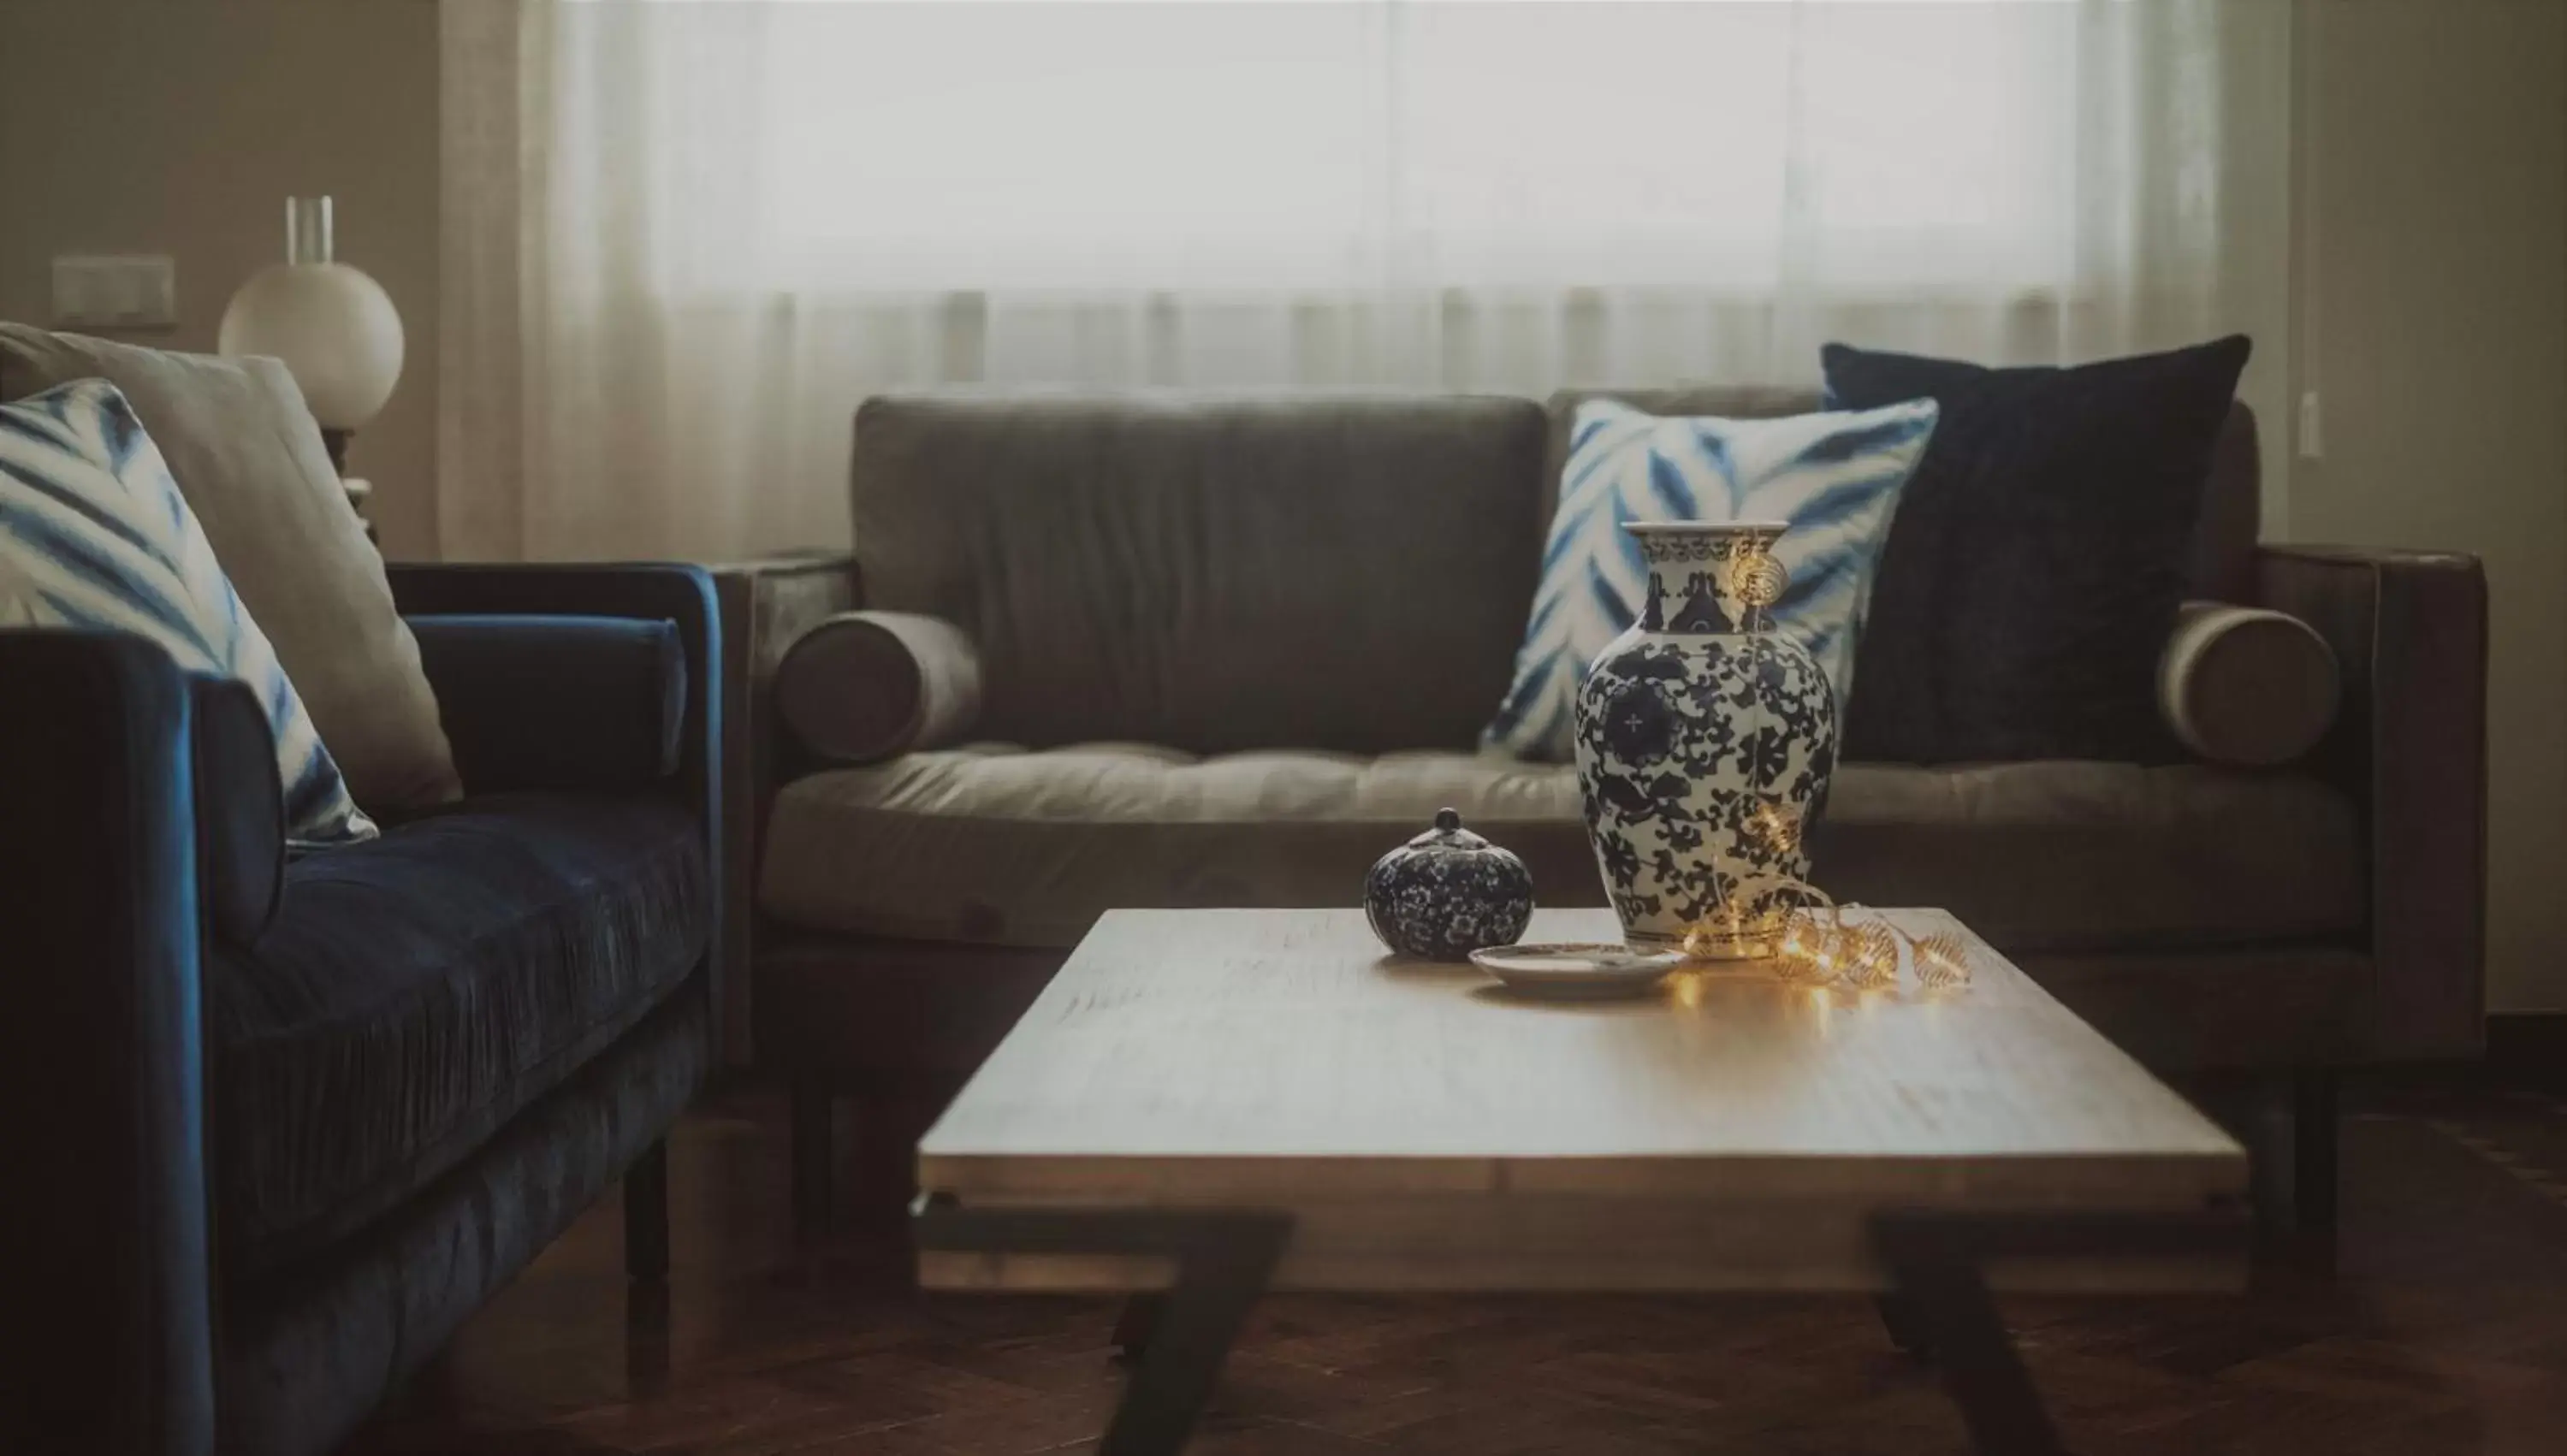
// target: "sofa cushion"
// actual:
[[2040, 552], [1336, 572], [1830, 480], [417, 991], [2223, 543], [248, 456], [997, 845], [2246, 685], [93, 533], [611, 693], [862, 686]]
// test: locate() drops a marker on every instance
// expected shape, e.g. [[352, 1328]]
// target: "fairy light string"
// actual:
[[1815, 944]]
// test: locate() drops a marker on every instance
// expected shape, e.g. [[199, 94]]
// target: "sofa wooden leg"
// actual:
[[2312, 1161], [815, 1147], [646, 1338], [646, 1214]]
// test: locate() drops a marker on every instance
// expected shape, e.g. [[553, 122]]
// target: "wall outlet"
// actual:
[[116, 291]]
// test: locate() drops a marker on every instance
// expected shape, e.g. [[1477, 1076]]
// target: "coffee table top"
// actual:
[[1278, 1057]]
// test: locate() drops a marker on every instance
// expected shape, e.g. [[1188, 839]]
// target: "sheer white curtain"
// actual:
[[685, 239]]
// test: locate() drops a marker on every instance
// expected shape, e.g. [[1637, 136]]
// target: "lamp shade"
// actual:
[[335, 328]]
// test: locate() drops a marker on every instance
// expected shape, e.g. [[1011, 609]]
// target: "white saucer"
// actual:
[[1590, 969]]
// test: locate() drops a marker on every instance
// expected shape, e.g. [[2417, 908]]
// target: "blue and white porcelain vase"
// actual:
[[1704, 741], [1447, 892]]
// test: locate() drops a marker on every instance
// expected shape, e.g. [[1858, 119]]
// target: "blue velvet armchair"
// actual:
[[275, 1128]]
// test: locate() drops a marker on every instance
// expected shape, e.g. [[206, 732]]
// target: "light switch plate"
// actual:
[[116, 291]]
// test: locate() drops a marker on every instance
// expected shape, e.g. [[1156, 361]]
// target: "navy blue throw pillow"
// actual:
[[2039, 553]]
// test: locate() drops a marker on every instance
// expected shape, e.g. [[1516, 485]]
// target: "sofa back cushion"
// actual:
[[1213, 574], [2223, 544]]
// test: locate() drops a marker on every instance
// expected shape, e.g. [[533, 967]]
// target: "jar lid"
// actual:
[[1447, 833]]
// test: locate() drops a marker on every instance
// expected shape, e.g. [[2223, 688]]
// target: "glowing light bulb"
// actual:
[[1871, 956], [1757, 579], [1943, 962], [1804, 954]]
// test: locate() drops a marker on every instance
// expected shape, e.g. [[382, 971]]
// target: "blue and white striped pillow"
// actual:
[[93, 533], [1835, 478]]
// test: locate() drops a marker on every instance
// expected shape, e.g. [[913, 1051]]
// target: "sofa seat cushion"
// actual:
[[2060, 855], [415, 993], [992, 844]]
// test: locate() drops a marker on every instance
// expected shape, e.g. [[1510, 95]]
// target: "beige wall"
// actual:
[[2434, 291], [179, 127]]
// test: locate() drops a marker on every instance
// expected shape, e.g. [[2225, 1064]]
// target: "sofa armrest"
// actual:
[[654, 592], [2410, 633], [766, 605], [108, 1326], [610, 694]]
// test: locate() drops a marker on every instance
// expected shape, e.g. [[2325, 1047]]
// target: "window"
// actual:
[[1282, 146]]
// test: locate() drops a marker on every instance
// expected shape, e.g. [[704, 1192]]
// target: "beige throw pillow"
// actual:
[[249, 460]]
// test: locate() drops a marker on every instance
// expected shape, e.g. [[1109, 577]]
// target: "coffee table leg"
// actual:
[[1941, 1299], [1946, 1307], [1899, 1319], [1224, 1260], [1218, 1278], [1134, 1326]]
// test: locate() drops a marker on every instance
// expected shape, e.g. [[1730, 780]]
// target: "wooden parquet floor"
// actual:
[[2441, 1328]]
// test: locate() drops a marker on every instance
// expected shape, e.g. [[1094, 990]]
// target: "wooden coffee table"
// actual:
[[1206, 1104]]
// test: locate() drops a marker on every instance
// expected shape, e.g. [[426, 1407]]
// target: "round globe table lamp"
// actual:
[[335, 328]]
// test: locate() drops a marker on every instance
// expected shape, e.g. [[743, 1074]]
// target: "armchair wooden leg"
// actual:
[[815, 1147], [2312, 1152], [646, 1214]]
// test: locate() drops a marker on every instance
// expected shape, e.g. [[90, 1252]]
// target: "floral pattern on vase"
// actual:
[[1705, 741]]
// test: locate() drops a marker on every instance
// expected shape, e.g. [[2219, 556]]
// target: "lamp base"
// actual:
[[336, 441], [359, 492]]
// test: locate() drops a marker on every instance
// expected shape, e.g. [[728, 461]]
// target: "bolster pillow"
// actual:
[[240, 810], [556, 701], [861, 686], [2244, 686]]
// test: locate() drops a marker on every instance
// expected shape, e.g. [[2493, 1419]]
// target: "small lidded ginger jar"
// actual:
[[1447, 892]]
